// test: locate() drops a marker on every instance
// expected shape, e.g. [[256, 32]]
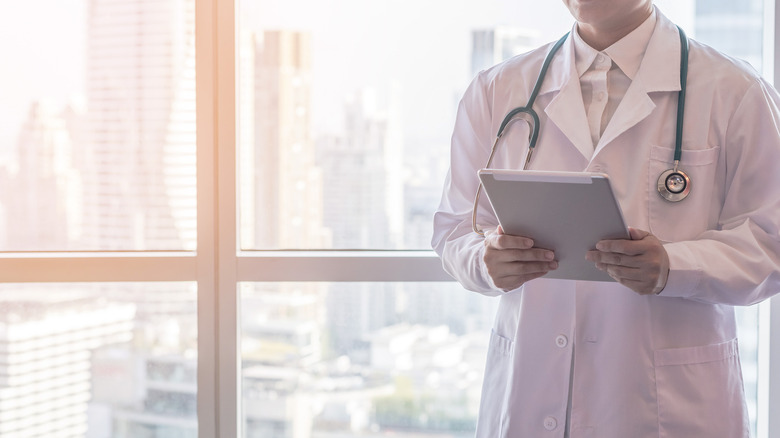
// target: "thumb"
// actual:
[[637, 234], [494, 231]]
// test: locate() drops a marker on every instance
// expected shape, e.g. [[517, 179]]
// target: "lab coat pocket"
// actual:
[[685, 219], [494, 387], [700, 392]]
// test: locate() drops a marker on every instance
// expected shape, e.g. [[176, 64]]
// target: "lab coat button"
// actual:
[[561, 341], [550, 423]]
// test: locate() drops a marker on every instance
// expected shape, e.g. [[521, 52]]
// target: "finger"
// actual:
[[513, 282], [498, 268], [508, 259], [635, 284], [622, 246], [637, 234], [638, 286], [534, 267], [625, 273], [613, 258], [494, 231], [640, 241], [529, 255], [521, 268], [509, 276], [507, 241]]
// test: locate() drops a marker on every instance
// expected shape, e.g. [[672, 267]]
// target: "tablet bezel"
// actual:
[[574, 210]]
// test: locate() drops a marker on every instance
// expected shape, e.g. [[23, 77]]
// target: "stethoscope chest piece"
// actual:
[[674, 185]]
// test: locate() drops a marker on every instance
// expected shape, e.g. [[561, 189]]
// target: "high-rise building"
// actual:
[[363, 176], [46, 343], [138, 161], [364, 207], [46, 214], [286, 191], [164, 403], [280, 188]]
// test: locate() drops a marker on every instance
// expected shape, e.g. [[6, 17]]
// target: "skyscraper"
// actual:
[[46, 214], [363, 176], [46, 342], [287, 184], [139, 156]]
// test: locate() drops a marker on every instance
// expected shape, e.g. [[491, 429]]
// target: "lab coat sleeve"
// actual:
[[461, 249], [739, 262]]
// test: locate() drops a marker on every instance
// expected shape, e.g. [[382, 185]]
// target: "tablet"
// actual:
[[567, 212]]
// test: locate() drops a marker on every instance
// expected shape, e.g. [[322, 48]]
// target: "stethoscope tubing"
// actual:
[[681, 96], [528, 108], [533, 135], [534, 123]]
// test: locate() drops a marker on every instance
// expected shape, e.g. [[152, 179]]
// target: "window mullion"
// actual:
[[341, 266], [205, 79], [228, 377], [97, 267]]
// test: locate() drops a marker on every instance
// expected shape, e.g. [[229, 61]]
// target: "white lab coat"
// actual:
[[645, 366]]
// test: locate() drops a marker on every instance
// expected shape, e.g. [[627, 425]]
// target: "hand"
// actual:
[[640, 264], [512, 260]]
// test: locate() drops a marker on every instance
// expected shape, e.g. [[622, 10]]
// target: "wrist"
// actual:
[[661, 283]]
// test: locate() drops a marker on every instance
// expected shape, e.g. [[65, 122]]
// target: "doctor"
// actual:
[[654, 354]]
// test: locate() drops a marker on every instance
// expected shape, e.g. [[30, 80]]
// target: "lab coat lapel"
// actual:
[[635, 106], [566, 109], [657, 72]]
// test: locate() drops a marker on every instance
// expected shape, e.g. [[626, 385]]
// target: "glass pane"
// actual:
[[98, 125], [98, 360], [362, 359], [747, 332], [345, 113]]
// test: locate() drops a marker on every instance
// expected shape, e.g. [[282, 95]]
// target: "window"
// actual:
[[258, 267]]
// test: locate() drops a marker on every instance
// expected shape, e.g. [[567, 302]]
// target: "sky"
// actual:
[[420, 48], [42, 46], [423, 45]]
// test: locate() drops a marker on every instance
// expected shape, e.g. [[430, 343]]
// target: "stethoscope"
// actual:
[[673, 184]]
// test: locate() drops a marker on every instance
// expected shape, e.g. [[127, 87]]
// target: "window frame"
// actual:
[[219, 265]]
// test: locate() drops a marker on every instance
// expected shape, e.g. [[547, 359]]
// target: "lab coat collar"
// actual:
[[566, 109], [658, 72], [660, 68], [623, 52]]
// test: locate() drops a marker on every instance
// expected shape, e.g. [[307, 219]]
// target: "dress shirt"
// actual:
[[605, 76], [604, 79]]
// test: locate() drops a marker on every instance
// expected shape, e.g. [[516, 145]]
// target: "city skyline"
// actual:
[[58, 39], [379, 158]]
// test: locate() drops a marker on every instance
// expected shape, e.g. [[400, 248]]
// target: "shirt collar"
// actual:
[[627, 52]]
